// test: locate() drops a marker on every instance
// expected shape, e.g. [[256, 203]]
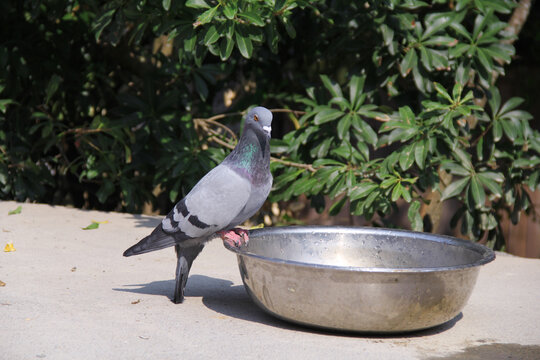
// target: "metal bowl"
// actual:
[[359, 279]]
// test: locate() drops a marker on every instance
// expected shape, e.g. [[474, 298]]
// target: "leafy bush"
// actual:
[[109, 103]]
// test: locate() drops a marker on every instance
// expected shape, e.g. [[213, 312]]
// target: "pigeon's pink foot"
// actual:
[[235, 237]]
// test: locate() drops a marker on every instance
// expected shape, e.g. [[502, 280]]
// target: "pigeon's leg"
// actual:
[[235, 237], [182, 273], [185, 260]]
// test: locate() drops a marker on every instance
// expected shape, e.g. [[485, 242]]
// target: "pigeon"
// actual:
[[225, 197]]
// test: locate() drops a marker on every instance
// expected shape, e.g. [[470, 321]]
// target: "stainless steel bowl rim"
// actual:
[[487, 255]]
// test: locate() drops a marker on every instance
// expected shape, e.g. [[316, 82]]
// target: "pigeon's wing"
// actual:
[[212, 204], [158, 239], [256, 200], [209, 207]]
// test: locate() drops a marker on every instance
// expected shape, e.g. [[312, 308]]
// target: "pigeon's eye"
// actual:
[[255, 117]]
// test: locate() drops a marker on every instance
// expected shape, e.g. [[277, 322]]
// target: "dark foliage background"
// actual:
[[112, 104]]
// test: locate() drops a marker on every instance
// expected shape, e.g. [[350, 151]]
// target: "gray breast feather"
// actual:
[[211, 205], [256, 200]]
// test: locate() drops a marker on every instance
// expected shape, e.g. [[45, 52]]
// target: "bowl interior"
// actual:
[[365, 248]]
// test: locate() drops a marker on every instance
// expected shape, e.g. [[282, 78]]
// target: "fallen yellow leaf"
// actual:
[[9, 247], [2, 283], [260, 226], [100, 222]]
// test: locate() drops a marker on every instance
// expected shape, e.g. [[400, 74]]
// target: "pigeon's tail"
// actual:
[[185, 256], [158, 239]]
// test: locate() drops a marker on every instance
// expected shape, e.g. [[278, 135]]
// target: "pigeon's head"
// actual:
[[260, 118]]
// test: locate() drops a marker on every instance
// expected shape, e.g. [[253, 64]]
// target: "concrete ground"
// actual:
[[67, 293]]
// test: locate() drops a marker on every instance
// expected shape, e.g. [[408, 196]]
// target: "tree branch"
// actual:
[[518, 19]]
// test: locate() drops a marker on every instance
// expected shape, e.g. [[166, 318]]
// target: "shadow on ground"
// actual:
[[495, 351], [217, 294], [144, 221], [223, 297]]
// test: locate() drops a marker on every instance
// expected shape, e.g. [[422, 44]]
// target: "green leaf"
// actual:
[[455, 188], [480, 22], [201, 87], [456, 91], [225, 49], [456, 169], [407, 115], [304, 185], [406, 194], [272, 37], [517, 116], [166, 4], [478, 193], [497, 130], [409, 61], [337, 206], [420, 153], [197, 4], [406, 157], [510, 129], [321, 149], [490, 184], [278, 146], [211, 36], [421, 80], [92, 226], [440, 41], [387, 33], [460, 29], [244, 45], [16, 211], [338, 187], [102, 22], [207, 16], [435, 26], [343, 126], [230, 10], [396, 192], [105, 190], [414, 216], [289, 28], [341, 102], [326, 162], [484, 59], [433, 105], [464, 158], [52, 87], [362, 190], [385, 184], [497, 177], [326, 115], [366, 132], [334, 89], [442, 91], [5, 102], [356, 86], [252, 17], [286, 178], [425, 58]]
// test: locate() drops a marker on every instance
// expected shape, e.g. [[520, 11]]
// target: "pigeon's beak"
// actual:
[[267, 130]]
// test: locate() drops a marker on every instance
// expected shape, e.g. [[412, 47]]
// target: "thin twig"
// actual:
[[294, 112], [221, 142], [81, 131], [293, 164], [486, 130], [205, 122]]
